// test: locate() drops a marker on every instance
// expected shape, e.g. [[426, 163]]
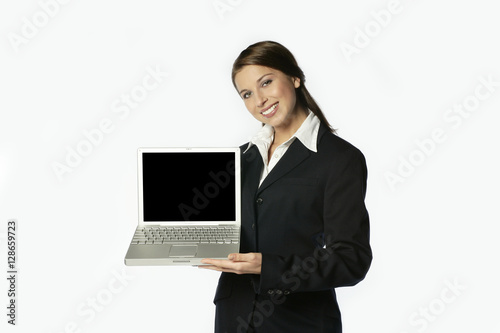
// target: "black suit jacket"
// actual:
[[309, 221]]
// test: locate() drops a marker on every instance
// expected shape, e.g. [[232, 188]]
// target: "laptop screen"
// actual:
[[188, 186]]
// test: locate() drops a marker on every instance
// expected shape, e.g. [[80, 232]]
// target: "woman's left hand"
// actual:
[[238, 263]]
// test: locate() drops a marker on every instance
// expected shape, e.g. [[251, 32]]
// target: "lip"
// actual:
[[272, 113]]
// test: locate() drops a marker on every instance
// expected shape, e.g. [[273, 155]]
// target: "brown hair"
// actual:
[[274, 55]]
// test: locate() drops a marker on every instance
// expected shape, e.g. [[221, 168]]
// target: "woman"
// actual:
[[305, 228]]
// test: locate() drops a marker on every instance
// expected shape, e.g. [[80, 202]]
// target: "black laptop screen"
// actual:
[[189, 186]]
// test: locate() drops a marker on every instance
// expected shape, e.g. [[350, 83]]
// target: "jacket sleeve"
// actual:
[[345, 256]]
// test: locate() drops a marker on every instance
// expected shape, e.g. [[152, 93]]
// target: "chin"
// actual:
[[276, 122]]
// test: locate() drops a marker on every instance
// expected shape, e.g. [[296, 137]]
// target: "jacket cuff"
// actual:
[[271, 281]]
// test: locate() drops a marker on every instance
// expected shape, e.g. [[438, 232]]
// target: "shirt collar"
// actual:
[[307, 134]]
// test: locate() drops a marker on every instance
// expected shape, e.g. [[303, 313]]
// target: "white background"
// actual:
[[435, 227]]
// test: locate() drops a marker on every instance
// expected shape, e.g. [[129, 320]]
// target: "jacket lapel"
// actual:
[[252, 164], [295, 154]]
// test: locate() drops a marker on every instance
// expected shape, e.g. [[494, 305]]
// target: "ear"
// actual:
[[296, 82]]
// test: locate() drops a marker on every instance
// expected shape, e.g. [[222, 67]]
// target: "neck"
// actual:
[[283, 133]]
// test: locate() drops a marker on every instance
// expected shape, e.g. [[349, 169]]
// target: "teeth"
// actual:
[[271, 109]]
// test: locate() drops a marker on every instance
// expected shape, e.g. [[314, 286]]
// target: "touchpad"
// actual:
[[183, 250]]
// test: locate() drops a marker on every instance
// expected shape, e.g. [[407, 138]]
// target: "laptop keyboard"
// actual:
[[191, 234]]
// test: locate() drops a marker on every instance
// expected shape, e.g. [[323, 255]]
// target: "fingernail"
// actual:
[[231, 257]]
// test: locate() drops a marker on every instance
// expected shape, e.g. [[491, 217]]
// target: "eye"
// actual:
[[246, 94], [267, 82]]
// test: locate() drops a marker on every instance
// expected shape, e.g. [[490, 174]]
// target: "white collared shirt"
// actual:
[[307, 134]]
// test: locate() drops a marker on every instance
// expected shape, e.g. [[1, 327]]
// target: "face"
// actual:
[[269, 95]]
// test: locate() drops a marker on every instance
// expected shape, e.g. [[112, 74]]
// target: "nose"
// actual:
[[260, 100]]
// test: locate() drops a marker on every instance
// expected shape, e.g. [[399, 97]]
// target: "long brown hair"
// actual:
[[274, 55]]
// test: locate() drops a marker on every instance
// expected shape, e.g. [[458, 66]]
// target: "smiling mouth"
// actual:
[[271, 110]]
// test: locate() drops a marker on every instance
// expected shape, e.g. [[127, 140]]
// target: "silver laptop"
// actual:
[[189, 206]]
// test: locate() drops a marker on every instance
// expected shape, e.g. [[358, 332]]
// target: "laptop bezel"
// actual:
[[187, 150]]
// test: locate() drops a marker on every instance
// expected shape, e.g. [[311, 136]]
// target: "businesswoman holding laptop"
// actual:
[[305, 227]]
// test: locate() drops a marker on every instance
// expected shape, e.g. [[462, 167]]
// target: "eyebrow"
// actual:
[[260, 79]]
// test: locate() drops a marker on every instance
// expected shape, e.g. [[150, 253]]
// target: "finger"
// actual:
[[239, 256], [215, 262], [242, 257], [210, 261]]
